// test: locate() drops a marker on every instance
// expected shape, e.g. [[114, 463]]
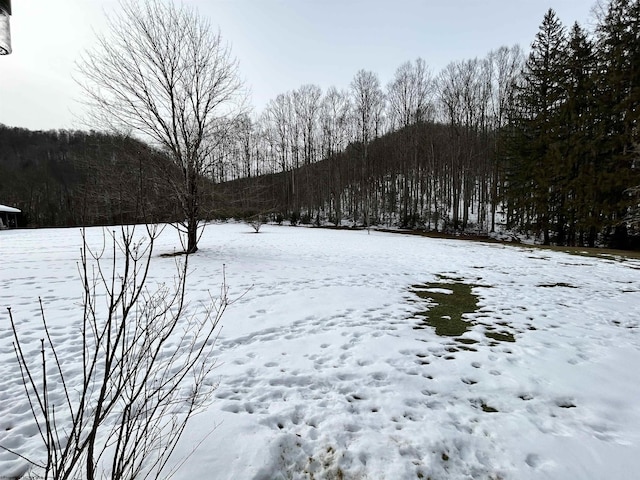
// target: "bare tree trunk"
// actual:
[[164, 75]]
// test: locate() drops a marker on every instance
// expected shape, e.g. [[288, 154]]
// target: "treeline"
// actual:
[[405, 178], [547, 145], [572, 164], [419, 152], [65, 178]]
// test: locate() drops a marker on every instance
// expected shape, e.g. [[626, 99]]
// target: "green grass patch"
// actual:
[[487, 408], [595, 252], [500, 336], [449, 300], [449, 303]]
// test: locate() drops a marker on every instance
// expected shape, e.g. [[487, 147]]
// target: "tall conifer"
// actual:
[[618, 41], [578, 215], [534, 142]]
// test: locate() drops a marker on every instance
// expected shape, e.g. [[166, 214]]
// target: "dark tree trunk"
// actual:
[[192, 213]]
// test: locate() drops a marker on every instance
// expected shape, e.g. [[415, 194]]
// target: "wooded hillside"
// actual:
[[545, 146], [65, 178]]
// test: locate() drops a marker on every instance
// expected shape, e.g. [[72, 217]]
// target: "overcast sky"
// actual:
[[281, 44]]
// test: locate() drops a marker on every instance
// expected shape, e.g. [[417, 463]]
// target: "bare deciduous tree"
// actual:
[[141, 374], [162, 73], [506, 67], [410, 102], [335, 112], [306, 103], [335, 116], [368, 104], [410, 94]]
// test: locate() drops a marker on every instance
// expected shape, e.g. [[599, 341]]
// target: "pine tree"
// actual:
[[578, 215], [618, 168], [533, 140]]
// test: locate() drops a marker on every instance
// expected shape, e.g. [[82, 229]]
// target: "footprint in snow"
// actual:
[[532, 460]]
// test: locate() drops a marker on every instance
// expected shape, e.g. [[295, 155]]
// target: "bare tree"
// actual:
[[410, 102], [143, 362], [335, 115], [506, 65], [306, 103], [277, 118], [410, 94], [368, 103], [256, 221], [162, 73], [368, 100], [335, 112]]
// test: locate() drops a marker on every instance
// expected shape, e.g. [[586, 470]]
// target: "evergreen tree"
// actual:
[[578, 215], [534, 150], [618, 42]]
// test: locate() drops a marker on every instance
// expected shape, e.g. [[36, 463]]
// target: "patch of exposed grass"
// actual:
[[500, 336], [560, 284], [487, 408], [604, 253], [597, 252], [449, 301]]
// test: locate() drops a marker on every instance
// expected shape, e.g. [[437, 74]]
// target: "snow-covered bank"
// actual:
[[322, 372]]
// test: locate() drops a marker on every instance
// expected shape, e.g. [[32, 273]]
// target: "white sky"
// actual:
[[281, 44]]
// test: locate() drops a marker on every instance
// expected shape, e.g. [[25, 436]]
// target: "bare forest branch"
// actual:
[[163, 74], [146, 355]]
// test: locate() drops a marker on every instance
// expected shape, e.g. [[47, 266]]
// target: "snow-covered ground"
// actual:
[[323, 375]]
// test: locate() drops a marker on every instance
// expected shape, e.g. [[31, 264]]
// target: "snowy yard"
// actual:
[[323, 374]]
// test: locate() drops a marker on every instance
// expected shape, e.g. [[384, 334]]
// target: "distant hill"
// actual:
[[67, 178], [426, 176]]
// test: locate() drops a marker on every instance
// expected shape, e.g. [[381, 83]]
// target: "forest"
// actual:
[[70, 178], [542, 145]]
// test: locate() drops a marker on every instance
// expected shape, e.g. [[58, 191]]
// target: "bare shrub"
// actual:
[[256, 222], [145, 358]]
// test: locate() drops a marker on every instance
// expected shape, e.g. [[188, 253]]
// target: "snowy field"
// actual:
[[322, 373]]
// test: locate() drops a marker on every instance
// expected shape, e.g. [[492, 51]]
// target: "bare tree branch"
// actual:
[[163, 74], [146, 356]]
